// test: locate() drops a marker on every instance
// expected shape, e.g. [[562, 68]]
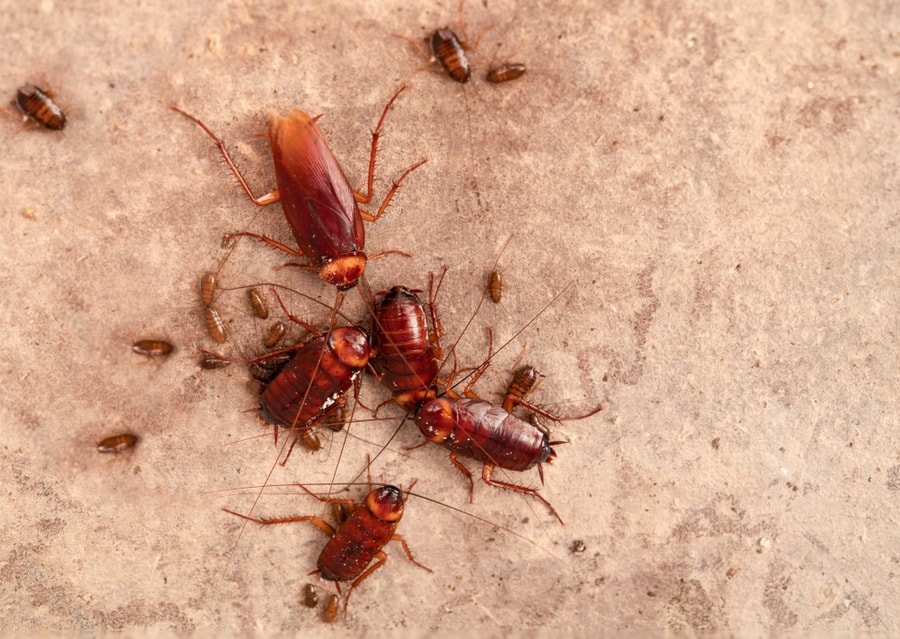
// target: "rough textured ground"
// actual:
[[718, 184]]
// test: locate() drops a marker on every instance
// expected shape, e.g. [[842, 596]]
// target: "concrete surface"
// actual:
[[720, 186]]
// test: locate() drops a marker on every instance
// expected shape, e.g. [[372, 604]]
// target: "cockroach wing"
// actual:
[[315, 194]]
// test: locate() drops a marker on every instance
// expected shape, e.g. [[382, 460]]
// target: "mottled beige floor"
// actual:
[[718, 184]]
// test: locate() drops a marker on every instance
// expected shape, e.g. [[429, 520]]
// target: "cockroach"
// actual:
[[313, 384], [274, 334], [117, 443], [258, 304], [449, 51], [37, 104], [522, 383], [331, 608], [495, 286], [310, 596], [214, 325], [211, 362], [476, 429], [406, 351], [208, 285], [152, 347], [359, 540], [319, 204], [506, 72]]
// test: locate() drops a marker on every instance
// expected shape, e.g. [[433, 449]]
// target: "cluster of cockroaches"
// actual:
[[307, 385]]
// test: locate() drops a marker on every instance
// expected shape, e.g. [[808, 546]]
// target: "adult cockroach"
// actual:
[[37, 104], [319, 204], [406, 351], [214, 325], [310, 596], [117, 443], [257, 303], [208, 285], [505, 72], [359, 540], [152, 348]]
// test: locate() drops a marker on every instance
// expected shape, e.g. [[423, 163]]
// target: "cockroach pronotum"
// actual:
[[37, 104], [208, 285], [310, 596], [319, 204], [152, 347], [359, 540], [214, 325], [406, 352], [117, 443], [257, 303], [331, 608], [505, 72]]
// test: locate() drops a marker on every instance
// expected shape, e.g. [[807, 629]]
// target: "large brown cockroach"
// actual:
[[37, 104], [319, 204], [359, 540], [405, 350]]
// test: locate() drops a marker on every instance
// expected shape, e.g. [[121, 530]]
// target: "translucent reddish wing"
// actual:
[[315, 194]]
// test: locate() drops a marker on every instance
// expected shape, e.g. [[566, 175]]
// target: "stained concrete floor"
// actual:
[[717, 185]]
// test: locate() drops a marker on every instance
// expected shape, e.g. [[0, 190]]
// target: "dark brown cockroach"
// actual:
[[214, 325], [310, 596], [319, 204], [208, 284], [274, 334], [359, 540], [152, 348], [258, 304], [522, 383], [331, 608], [37, 104], [406, 351], [212, 362], [449, 51], [506, 72], [117, 443]]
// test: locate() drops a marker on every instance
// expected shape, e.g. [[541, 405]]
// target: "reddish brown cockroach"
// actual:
[[152, 348], [258, 304], [313, 384], [406, 352], [37, 104], [449, 51], [319, 204], [359, 540], [505, 72], [117, 443]]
